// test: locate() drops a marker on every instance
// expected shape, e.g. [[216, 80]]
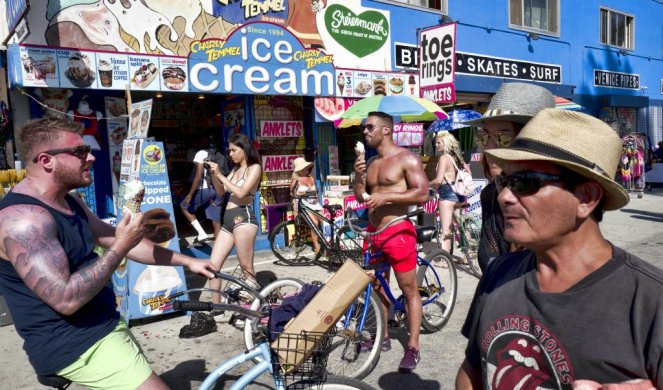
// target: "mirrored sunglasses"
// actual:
[[80, 151], [502, 138], [525, 183], [371, 126]]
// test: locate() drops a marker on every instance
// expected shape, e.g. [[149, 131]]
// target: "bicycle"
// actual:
[[465, 235], [289, 240], [310, 374], [364, 320]]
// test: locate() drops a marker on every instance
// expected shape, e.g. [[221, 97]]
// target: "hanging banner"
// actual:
[[437, 59], [279, 129], [116, 120], [408, 134], [278, 163], [139, 119]]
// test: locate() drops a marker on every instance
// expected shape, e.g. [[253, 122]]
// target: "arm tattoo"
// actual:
[[39, 259]]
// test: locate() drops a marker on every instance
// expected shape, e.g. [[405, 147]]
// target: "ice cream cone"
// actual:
[[134, 191]]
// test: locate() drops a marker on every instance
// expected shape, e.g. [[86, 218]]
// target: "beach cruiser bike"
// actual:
[[290, 240], [364, 321], [465, 235], [310, 374]]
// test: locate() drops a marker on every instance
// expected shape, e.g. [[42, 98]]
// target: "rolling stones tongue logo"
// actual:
[[519, 366], [523, 354]]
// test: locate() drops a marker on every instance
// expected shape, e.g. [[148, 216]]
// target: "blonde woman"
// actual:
[[303, 185], [447, 167], [240, 227]]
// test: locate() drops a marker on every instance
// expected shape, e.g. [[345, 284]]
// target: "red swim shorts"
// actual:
[[398, 244]]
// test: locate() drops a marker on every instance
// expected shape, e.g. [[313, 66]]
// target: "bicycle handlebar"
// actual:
[[363, 233]]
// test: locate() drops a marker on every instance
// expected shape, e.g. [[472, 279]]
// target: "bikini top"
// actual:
[[241, 180]]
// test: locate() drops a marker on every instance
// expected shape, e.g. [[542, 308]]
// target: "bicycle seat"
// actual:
[[53, 381], [425, 233], [332, 207]]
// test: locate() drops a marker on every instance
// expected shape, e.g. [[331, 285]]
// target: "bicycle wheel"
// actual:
[[348, 245], [333, 382], [274, 294], [470, 244], [437, 282], [346, 357], [290, 243]]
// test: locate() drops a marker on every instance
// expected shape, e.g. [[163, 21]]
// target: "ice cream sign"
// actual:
[[260, 58]]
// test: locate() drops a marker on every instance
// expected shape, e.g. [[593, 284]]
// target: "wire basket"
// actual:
[[302, 356]]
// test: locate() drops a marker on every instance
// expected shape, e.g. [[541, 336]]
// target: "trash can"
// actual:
[[275, 214]]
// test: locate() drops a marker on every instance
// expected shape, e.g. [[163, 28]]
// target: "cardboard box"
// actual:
[[320, 314]]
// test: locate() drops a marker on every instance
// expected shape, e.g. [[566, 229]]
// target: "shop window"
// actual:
[[617, 29], [535, 15], [439, 5]]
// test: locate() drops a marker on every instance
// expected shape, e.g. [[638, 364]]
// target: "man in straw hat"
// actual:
[[388, 183], [574, 307], [512, 106]]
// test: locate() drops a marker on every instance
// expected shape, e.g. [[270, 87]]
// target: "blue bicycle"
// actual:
[[275, 359], [364, 321]]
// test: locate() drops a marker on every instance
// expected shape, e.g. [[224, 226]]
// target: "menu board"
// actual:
[[362, 83], [144, 72], [38, 67], [113, 70], [61, 68], [173, 74]]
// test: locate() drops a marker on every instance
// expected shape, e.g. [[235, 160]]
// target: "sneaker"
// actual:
[[409, 361], [367, 346]]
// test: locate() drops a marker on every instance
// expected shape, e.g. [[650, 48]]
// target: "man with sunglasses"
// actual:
[[572, 308], [57, 288], [394, 179], [512, 106]]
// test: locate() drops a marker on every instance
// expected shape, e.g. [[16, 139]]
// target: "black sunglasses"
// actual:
[[371, 126], [524, 183], [80, 151]]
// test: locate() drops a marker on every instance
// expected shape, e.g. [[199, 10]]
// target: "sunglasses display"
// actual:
[[80, 151], [502, 138], [524, 183]]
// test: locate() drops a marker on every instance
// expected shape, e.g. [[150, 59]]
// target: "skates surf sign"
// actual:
[[260, 58]]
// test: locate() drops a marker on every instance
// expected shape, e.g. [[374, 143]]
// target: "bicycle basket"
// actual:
[[302, 356]]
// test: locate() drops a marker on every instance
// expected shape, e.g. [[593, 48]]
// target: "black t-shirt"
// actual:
[[607, 328]]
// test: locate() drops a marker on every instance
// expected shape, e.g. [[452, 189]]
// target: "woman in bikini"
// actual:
[[303, 185], [450, 161], [240, 226]]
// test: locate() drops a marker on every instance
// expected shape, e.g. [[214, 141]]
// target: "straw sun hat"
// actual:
[[579, 142], [516, 102], [299, 164]]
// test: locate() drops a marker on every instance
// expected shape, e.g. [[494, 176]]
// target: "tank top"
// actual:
[[53, 341]]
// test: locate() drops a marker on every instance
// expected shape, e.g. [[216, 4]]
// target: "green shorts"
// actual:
[[114, 362]]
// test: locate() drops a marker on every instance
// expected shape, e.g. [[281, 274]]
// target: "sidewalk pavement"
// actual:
[[183, 363]]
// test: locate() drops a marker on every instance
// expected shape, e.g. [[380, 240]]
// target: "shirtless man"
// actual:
[[394, 179]]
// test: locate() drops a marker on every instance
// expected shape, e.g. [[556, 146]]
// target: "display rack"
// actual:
[[634, 162]]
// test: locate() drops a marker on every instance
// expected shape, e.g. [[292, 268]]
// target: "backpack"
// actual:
[[220, 160], [464, 184]]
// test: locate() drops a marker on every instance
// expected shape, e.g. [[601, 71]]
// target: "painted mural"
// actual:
[[358, 37]]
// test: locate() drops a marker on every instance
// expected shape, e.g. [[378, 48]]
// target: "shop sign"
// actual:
[[606, 78], [437, 63], [405, 55], [351, 202], [364, 83], [15, 10], [278, 163], [139, 119], [38, 66], [241, 12], [479, 65], [408, 134], [357, 36], [280, 129], [260, 58]]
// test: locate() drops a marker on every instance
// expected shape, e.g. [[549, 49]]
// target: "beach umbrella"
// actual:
[[402, 108], [566, 104], [454, 121]]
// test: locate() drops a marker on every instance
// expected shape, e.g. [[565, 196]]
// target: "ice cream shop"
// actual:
[[280, 73]]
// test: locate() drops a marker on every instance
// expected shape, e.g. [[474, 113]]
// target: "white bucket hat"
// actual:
[[300, 163]]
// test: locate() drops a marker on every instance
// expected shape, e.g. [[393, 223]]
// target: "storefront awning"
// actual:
[[490, 85], [566, 104], [619, 100]]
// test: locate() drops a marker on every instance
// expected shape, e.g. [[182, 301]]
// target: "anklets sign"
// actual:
[[260, 58]]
